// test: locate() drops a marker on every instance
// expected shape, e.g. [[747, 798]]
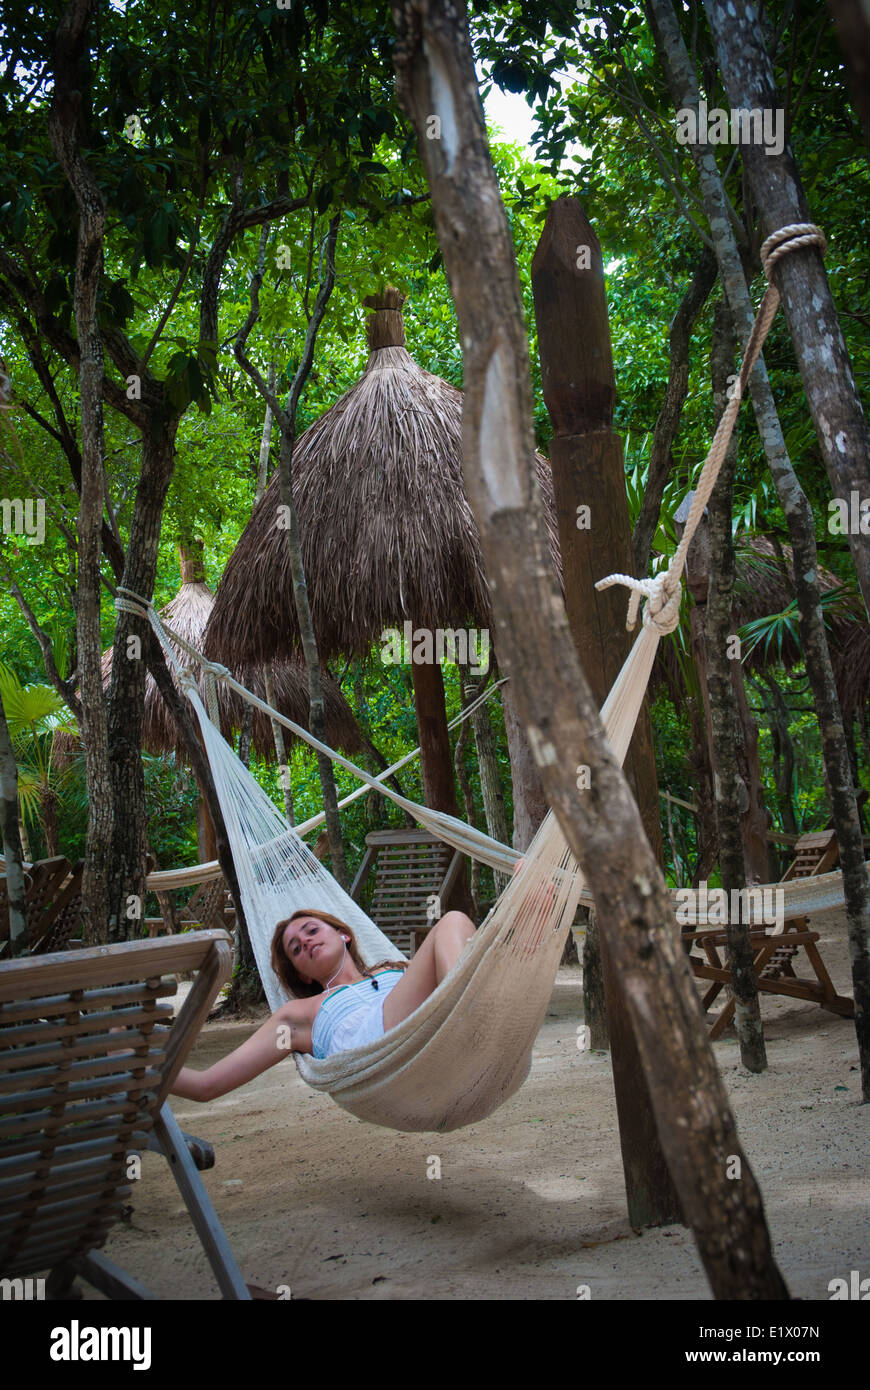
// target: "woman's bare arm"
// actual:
[[288, 1030]]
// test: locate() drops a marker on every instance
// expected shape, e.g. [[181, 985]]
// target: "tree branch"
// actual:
[[65, 689]]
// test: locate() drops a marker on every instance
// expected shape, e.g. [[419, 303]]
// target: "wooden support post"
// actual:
[[595, 539], [588, 477]]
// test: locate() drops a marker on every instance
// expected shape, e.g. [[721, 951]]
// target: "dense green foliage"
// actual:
[[298, 101]]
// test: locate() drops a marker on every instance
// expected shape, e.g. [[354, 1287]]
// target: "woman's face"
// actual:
[[314, 948]]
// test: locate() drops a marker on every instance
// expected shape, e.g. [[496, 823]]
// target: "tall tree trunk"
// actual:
[[435, 75], [725, 717], [64, 127], [807, 302], [799, 517], [316, 715], [126, 697], [16, 891], [286, 419], [668, 420], [436, 759]]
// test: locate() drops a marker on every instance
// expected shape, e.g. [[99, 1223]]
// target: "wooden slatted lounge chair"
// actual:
[[414, 873], [776, 948], [210, 907], [54, 893], [77, 1098]]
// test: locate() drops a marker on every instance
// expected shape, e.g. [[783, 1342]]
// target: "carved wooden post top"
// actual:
[[573, 330], [386, 327]]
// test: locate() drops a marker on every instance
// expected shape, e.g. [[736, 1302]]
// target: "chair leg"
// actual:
[[110, 1279], [198, 1202], [60, 1286]]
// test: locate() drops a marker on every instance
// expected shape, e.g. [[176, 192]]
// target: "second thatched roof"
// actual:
[[388, 534], [187, 615], [763, 588]]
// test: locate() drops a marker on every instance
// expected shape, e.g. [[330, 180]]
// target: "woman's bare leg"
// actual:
[[435, 959]]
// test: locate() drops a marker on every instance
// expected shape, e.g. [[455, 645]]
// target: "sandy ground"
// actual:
[[530, 1204]]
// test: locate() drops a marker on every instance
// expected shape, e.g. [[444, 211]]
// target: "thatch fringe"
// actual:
[[187, 615]]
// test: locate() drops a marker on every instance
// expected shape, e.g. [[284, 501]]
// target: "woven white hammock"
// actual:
[[468, 1047]]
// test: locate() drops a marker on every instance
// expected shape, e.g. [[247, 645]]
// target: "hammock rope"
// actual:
[[663, 591], [467, 1048]]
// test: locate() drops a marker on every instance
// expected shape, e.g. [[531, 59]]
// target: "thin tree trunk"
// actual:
[[783, 747], [464, 781], [701, 771], [668, 422], [725, 717], [265, 443], [316, 716], [246, 734], [286, 418], [807, 302], [16, 891], [435, 75], [280, 749], [48, 817], [490, 775], [678, 867], [755, 820], [799, 517], [530, 804], [168, 912], [64, 128], [594, 1000], [436, 761]]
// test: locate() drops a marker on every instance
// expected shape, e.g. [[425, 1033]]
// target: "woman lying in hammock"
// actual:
[[339, 1003]]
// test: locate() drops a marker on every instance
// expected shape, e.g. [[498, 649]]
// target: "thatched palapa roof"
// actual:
[[388, 534]]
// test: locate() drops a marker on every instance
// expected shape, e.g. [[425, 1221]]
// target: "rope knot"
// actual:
[[662, 593], [790, 238], [662, 608], [128, 601]]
